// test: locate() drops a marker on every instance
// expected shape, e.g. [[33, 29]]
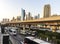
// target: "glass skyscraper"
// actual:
[[22, 14]]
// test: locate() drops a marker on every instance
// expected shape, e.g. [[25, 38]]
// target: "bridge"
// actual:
[[49, 22]]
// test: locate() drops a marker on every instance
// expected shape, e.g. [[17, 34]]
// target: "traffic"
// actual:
[[24, 37]]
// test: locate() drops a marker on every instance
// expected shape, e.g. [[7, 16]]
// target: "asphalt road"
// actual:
[[18, 39]]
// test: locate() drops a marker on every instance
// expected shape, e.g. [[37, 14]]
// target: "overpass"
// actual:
[[51, 22]]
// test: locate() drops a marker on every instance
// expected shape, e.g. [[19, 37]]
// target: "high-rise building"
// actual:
[[38, 16], [13, 18], [29, 16], [22, 14], [26, 17], [5, 20], [47, 11], [18, 17]]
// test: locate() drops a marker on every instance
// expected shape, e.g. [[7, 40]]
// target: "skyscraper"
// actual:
[[47, 11], [22, 14], [38, 16], [29, 16], [18, 18]]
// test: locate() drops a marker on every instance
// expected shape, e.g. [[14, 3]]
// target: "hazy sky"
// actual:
[[10, 8]]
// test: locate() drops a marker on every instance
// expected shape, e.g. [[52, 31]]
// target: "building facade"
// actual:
[[29, 16], [18, 17], [38, 16], [22, 14], [47, 11], [5, 20]]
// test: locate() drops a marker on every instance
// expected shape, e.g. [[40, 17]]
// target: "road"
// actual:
[[18, 39]]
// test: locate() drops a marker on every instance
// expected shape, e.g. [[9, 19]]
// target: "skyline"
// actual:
[[10, 8]]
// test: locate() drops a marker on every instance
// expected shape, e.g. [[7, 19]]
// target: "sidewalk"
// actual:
[[0, 37], [13, 40]]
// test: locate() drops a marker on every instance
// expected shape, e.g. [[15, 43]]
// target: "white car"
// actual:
[[33, 33], [12, 32], [22, 32]]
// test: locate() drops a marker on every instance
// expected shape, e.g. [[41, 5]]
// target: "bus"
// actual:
[[33, 40]]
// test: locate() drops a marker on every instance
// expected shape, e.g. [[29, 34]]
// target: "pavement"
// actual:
[[0, 36], [18, 39], [13, 40]]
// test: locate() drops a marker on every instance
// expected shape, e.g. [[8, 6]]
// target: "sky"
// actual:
[[10, 8]]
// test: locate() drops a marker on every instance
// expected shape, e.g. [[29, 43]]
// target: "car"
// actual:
[[12, 32], [22, 32], [29, 32], [58, 31], [34, 33]]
